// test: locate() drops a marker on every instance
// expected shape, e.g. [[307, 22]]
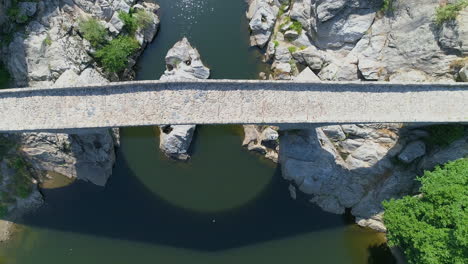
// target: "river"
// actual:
[[225, 205]]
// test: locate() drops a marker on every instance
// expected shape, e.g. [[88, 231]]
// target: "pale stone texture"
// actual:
[[229, 102], [262, 15], [183, 62]]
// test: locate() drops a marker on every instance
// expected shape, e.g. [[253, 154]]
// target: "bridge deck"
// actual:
[[229, 102]]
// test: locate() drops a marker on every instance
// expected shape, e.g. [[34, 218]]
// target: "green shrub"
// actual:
[[143, 18], [6, 145], [276, 43], [114, 56], [387, 5], [130, 22], [3, 210], [93, 31], [449, 11], [282, 9], [292, 49], [432, 228], [48, 41], [4, 78], [296, 26], [444, 135], [14, 13], [22, 180]]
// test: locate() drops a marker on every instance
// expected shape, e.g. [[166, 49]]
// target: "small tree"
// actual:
[[114, 56], [432, 228], [93, 31]]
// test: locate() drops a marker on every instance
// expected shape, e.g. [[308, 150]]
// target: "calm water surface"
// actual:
[[224, 206]]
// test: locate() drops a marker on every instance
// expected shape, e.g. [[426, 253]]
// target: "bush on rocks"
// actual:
[[431, 228]]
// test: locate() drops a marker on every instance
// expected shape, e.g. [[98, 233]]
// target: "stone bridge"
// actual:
[[145, 103]]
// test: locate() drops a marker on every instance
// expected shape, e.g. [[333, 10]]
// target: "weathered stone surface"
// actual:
[[229, 101], [338, 24], [403, 42], [463, 73], [183, 63], [27, 8], [453, 35], [307, 75], [175, 141], [262, 15], [412, 151]]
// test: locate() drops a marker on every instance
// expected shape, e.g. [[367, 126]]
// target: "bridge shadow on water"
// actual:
[[126, 209]]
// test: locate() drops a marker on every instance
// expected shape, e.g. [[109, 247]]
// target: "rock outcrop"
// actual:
[[354, 166], [52, 52], [183, 62], [262, 139], [358, 166], [262, 15]]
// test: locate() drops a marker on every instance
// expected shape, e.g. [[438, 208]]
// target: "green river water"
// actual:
[[225, 205]]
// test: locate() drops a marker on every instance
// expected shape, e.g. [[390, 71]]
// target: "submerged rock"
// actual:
[[183, 62]]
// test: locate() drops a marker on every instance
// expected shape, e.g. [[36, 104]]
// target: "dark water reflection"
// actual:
[[128, 221]]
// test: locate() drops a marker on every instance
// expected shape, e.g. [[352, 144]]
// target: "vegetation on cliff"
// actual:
[[449, 11], [431, 228], [113, 55]]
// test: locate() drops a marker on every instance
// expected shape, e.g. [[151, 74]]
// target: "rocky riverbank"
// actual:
[[357, 166], [44, 43]]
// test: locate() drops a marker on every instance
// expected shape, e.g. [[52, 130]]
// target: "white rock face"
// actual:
[[183, 62], [404, 42], [262, 15], [53, 53], [175, 141]]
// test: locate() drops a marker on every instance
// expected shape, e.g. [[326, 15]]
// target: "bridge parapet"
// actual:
[[146, 103]]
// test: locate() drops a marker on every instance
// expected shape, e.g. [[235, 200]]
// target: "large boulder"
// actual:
[[175, 141], [335, 24], [262, 16], [183, 62]]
